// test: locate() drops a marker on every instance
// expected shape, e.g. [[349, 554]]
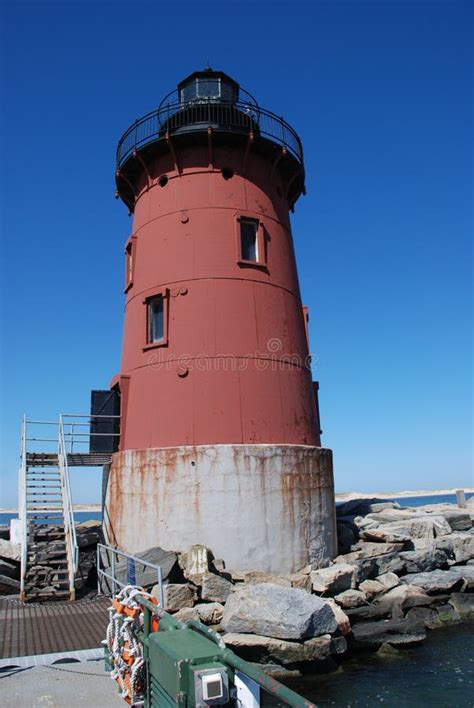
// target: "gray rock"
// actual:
[[420, 530], [9, 550], [147, 577], [90, 538], [11, 570], [424, 616], [254, 647], [187, 614], [369, 549], [300, 580], [386, 516], [388, 580], [351, 598], [424, 560], [259, 576], [389, 563], [197, 562], [467, 574], [459, 546], [363, 569], [372, 587], [332, 580], [338, 645], [463, 604], [447, 615], [215, 588], [345, 537], [459, 521], [9, 586], [176, 596], [5, 532], [361, 507], [435, 581], [276, 611], [210, 612], [393, 603], [343, 622], [394, 632]]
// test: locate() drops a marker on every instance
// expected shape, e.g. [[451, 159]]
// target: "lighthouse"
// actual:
[[220, 433]]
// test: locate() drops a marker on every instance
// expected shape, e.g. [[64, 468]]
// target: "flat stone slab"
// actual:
[[436, 580], [398, 632]]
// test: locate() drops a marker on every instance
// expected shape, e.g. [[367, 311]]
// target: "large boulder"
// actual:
[[276, 611], [332, 580]]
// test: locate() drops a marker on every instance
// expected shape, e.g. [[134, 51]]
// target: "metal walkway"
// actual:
[[51, 628]]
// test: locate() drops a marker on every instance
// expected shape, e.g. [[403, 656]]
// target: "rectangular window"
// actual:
[[156, 329], [129, 262], [249, 240]]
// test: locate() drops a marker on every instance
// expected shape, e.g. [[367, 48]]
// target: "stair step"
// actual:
[[48, 596], [44, 494]]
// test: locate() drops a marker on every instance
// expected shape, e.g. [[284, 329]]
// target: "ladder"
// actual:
[[49, 553]]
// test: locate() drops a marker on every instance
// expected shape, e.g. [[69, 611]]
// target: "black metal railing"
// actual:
[[239, 117]]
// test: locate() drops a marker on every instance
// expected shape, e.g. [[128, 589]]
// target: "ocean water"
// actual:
[[78, 517], [403, 501], [439, 672]]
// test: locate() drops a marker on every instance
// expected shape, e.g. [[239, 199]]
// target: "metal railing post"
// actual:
[[113, 572]]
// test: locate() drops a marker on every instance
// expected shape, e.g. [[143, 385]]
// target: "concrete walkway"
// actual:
[[84, 685]]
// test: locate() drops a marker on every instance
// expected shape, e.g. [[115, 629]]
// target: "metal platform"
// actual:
[[51, 628]]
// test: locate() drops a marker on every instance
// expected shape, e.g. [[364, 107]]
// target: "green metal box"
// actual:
[[174, 656]]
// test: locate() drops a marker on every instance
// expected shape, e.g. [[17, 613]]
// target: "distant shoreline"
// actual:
[[347, 496], [341, 496]]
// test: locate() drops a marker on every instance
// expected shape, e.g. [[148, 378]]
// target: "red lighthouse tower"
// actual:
[[220, 440]]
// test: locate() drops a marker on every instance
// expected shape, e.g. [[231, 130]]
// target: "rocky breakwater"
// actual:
[[412, 570], [400, 573], [46, 552]]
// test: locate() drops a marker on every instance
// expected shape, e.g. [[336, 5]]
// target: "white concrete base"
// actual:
[[259, 507]]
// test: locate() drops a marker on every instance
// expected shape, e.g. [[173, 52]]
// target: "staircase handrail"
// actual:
[[22, 508], [69, 526]]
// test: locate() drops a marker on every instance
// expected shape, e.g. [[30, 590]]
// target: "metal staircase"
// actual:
[[49, 552]]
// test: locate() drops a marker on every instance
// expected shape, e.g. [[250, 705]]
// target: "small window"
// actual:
[[249, 240], [129, 262], [156, 329]]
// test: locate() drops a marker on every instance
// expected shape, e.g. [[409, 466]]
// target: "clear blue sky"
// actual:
[[381, 95]]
